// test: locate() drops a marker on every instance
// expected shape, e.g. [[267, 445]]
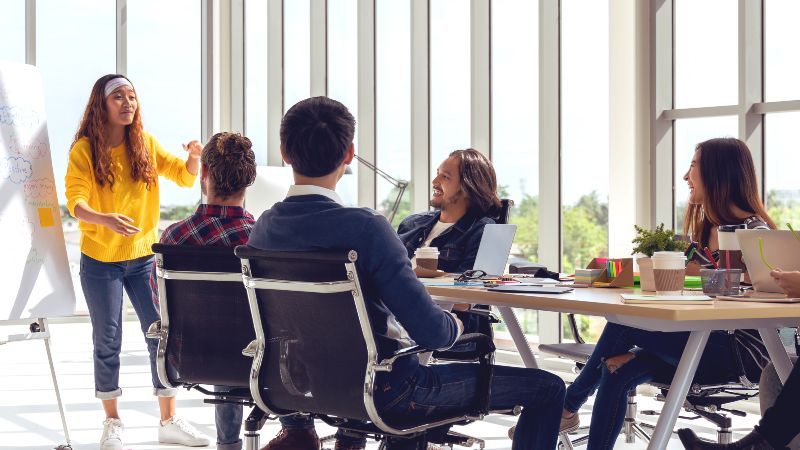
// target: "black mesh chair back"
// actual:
[[503, 212], [205, 316], [313, 338]]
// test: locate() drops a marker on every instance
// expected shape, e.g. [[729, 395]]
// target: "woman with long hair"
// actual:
[[723, 191], [112, 187]]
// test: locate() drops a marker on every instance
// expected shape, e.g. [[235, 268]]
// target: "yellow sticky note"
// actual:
[[46, 217]]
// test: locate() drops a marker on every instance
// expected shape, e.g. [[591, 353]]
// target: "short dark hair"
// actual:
[[315, 135], [231, 163], [478, 180]]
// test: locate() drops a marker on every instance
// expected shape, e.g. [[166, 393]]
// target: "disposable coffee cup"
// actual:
[[730, 254], [427, 257], [669, 270]]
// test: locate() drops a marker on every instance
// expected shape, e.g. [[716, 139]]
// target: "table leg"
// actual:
[[520, 341], [777, 353], [678, 389]]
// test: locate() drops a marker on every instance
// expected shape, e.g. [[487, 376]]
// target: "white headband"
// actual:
[[116, 83]]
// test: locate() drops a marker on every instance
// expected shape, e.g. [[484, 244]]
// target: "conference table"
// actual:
[[699, 320]]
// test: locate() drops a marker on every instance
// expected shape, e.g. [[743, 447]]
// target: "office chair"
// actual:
[[205, 323], [479, 318], [315, 353], [705, 399]]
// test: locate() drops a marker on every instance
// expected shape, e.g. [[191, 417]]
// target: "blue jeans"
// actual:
[[657, 353], [102, 284], [447, 388], [228, 419]]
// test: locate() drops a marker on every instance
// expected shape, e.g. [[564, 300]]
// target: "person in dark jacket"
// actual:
[[465, 200], [317, 141]]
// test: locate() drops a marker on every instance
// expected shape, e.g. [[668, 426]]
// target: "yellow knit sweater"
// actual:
[[129, 197]]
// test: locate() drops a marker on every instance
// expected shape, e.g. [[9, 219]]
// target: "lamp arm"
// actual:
[[401, 185], [396, 183]]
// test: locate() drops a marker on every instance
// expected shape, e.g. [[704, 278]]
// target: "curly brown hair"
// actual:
[[230, 163], [93, 127]]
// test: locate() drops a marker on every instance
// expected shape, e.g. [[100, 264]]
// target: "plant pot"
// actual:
[[646, 278]]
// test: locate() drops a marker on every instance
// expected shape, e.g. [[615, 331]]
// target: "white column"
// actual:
[[274, 80], [319, 48], [209, 84], [549, 155], [366, 100], [122, 37], [622, 135], [30, 32], [420, 105], [751, 82], [662, 168], [481, 75]]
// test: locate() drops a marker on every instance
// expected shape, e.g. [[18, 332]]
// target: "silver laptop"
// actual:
[[780, 249], [494, 248]]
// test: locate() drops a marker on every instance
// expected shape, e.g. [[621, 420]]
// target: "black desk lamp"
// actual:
[[401, 185]]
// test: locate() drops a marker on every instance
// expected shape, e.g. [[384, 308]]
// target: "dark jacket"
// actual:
[[458, 245], [392, 292]]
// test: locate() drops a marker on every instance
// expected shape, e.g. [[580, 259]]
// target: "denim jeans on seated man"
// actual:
[[447, 389], [658, 353], [769, 388]]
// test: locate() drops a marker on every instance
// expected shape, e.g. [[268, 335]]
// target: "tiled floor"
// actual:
[[29, 416]]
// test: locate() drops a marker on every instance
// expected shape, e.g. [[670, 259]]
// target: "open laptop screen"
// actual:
[[494, 248]]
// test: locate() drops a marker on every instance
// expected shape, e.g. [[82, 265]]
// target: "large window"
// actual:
[[449, 78], [12, 31], [256, 99], [585, 139], [706, 53], [393, 102], [296, 51], [89, 52], [515, 120], [342, 75], [585, 132], [781, 35], [782, 181], [167, 80]]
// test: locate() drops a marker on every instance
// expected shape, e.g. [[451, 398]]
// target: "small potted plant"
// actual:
[[647, 242]]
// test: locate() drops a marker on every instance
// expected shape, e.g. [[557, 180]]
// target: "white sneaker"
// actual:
[[179, 431], [112, 434]]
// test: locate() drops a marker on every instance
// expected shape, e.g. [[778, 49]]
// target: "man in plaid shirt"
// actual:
[[228, 168]]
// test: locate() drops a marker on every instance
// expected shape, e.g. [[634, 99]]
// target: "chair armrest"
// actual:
[[480, 313], [483, 345]]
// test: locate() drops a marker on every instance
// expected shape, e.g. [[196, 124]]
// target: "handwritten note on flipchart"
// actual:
[[34, 273]]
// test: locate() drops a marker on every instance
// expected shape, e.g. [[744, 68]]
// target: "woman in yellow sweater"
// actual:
[[112, 187]]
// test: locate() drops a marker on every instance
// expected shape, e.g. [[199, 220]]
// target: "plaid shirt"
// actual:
[[223, 226]]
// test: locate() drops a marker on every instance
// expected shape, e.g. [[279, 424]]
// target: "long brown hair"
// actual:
[[478, 180], [93, 127], [729, 178]]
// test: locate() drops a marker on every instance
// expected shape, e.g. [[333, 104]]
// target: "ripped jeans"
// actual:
[[657, 353]]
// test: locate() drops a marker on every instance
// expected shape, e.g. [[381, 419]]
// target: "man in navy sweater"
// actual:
[[317, 141]]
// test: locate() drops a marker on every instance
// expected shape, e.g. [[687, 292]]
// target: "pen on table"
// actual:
[[711, 258], [691, 254]]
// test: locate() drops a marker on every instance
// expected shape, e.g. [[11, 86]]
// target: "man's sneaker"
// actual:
[[179, 431], [571, 423], [294, 439], [112, 434]]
